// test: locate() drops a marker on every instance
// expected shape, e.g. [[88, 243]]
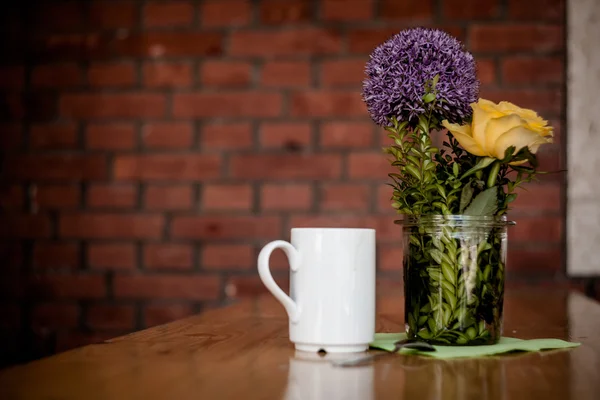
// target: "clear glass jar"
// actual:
[[454, 278]]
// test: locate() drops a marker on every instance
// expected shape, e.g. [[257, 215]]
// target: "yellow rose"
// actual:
[[496, 127]]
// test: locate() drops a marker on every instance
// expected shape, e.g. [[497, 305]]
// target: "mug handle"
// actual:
[[265, 274]]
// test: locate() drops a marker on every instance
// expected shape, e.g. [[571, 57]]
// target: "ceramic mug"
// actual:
[[331, 305]]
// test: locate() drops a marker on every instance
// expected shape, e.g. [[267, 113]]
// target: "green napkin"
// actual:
[[385, 341]]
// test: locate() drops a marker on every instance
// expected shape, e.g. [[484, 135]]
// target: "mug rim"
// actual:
[[331, 229]]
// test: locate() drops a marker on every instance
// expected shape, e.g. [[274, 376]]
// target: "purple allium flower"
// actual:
[[399, 69]]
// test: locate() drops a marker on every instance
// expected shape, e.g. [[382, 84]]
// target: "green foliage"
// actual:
[[454, 283], [445, 181]]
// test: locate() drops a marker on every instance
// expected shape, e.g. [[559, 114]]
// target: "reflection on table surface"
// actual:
[[243, 352]]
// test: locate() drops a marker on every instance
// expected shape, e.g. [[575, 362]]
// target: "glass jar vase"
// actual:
[[454, 278]]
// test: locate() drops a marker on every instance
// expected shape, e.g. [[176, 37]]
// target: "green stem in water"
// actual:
[[491, 182]]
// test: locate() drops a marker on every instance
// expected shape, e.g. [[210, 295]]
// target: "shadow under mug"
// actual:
[[331, 305]]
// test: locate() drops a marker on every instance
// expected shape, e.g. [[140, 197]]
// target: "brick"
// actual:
[[384, 199], [364, 40], [57, 16], [190, 287], [169, 44], [528, 70], [228, 256], [546, 10], [67, 287], [80, 47], [167, 74], [274, 12], [225, 227], [286, 166], [120, 14], [171, 14], [56, 75], [546, 102], [347, 10], [56, 255], [11, 197], [168, 197], [53, 136], [111, 75], [103, 195], [53, 167], [286, 197], [10, 135], [339, 134], [336, 73], [168, 256], [225, 13], [389, 257], [168, 135], [471, 9], [158, 314], [486, 71], [285, 74], [289, 42], [290, 136], [239, 286], [406, 9], [327, 104], [538, 198], [335, 197], [110, 316], [55, 316], [12, 77], [219, 73], [110, 136], [369, 166], [112, 105], [115, 256], [234, 135], [227, 104], [13, 107], [113, 226], [55, 196], [227, 197], [24, 226], [509, 38], [387, 231], [167, 167], [540, 229], [534, 260]]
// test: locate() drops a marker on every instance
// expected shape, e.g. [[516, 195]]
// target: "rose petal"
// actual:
[[498, 126], [480, 119], [462, 133], [519, 137]]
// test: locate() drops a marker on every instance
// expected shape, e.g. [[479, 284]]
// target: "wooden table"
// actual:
[[242, 352]]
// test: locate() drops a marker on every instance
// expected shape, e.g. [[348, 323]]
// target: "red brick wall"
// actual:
[[151, 148]]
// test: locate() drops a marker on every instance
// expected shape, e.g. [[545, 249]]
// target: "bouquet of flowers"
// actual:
[[455, 198]]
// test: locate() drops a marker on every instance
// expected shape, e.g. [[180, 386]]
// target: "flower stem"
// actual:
[[493, 174]]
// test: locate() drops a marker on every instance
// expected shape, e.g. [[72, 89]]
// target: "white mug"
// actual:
[[331, 306]]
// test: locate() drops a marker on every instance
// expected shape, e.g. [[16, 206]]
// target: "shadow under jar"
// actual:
[[454, 278]]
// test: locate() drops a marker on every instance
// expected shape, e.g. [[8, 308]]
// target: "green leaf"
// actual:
[[413, 171], [483, 163], [511, 197], [436, 255], [485, 203], [428, 98], [436, 79], [466, 196]]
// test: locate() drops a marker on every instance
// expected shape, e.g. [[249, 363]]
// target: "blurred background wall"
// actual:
[[150, 148]]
